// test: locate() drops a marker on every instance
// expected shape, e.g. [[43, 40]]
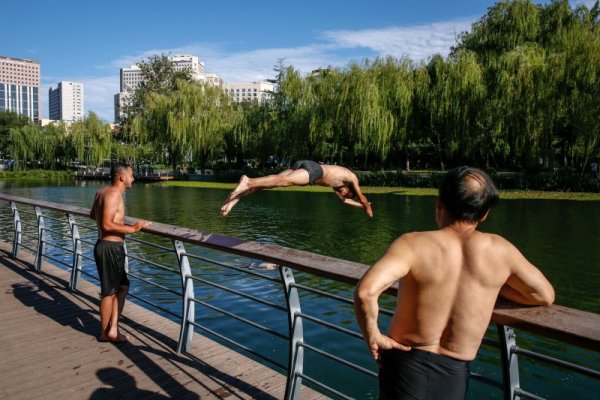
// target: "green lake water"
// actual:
[[562, 238]]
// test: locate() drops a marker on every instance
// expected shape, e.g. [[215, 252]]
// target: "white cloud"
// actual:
[[333, 48], [418, 42], [587, 3]]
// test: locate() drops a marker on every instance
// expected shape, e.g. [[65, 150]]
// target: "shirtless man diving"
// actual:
[[343, 181], [449, 280], [108, 211]]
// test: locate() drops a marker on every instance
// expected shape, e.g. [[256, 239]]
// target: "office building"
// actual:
[[20, 87], [131, 78], [66, 102], [254, 91]]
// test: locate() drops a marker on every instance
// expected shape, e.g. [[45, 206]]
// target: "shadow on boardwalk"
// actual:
[[118, 371]]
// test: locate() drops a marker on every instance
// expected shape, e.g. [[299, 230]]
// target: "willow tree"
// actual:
[[159, 76], [213, 114], [9, 119], [506, 25], [52, 144], [472, 134], [367, 123], [520, 89], [322, 106], [583, 74], [394, 77], [188, 121], [292, 103], [23, 145], [91, 139], [252, 134]]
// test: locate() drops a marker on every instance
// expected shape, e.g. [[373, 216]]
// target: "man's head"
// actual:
[[468, 194], [345, 191], [122, 172]]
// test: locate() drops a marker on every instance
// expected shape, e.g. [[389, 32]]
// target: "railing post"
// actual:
[[296, 351], [126, 263], [510, 362], [17, 227], [41, 247], [76, 265], [188, 312]]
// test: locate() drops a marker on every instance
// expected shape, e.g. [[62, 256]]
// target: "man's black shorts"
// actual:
[[419, 374], [110, 262], [314, 169]]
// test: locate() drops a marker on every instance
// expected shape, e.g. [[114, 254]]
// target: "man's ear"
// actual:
[[485, 216]]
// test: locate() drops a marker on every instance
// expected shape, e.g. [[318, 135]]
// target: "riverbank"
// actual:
[[35, 175], [504, 194]]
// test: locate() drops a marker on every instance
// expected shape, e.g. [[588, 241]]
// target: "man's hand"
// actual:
[[141, 224], [366, 205], [381, 343], [368, 209]]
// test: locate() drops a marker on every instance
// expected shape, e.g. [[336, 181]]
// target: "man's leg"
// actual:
[[106, 311], [117, 309], [289, 177]]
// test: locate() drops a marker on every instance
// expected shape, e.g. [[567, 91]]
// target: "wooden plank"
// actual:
[[48, 348]]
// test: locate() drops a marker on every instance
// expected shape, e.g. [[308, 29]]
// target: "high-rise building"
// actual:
[[20, 87], [66, 101], [131, 78], [254, 91]]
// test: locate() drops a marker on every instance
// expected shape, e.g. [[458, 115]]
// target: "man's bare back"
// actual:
[[449, 279], [448, 295]]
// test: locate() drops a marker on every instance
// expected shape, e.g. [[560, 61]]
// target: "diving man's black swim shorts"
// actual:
[[314, 169]]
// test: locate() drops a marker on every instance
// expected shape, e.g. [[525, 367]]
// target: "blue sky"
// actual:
[[241, 41]]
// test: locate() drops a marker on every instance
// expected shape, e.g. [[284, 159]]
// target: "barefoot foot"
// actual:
[[235, 195], [228, 206], [120, 338]]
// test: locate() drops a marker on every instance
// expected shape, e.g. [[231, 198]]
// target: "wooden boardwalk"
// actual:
[[48, 348]]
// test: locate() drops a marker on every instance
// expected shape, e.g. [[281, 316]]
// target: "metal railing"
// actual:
[[52, 231]]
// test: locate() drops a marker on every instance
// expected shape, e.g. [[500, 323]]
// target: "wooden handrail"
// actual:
[[569, 325]]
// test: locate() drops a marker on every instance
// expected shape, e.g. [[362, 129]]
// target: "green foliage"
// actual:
[[41, 174], [520, 91], [9, 119]]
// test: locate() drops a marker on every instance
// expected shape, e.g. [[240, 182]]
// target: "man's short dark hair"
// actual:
[[118, 168], [468, 193]]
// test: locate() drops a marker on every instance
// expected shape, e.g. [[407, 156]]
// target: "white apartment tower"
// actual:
[[131, 78], [66, 102], [20, 87], [254, 91]]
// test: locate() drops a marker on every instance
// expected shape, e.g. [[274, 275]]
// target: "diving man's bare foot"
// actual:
[[235, 196]]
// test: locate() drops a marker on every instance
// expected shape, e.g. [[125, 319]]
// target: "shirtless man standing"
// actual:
[[342, 180], [109, 253], [449, 281]]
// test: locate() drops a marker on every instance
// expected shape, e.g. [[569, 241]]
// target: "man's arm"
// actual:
[[526, 284], [108, 225], [94, 206], [364, 203], [390, 268]]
